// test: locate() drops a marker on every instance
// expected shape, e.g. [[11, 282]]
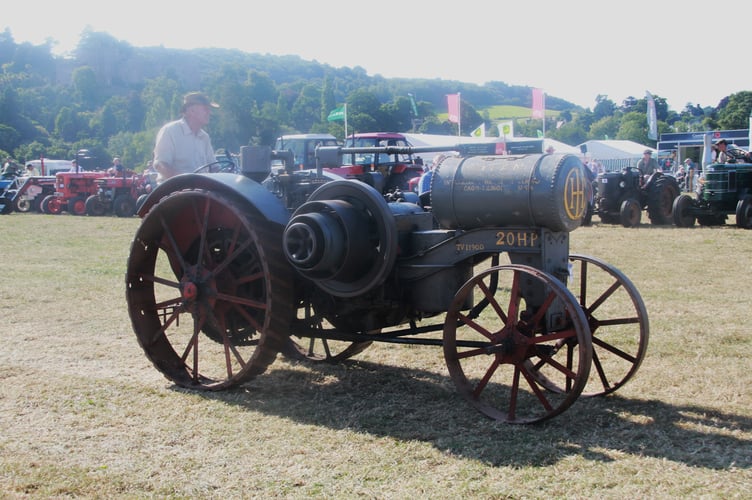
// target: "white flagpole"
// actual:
[[543, 95]]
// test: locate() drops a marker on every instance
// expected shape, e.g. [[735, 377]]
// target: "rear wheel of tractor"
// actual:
[[208, 290], [744, 212], [682, 211], [661, 200], [124, 206], [95, 207], [500, 348], [22, 204], [77, 206], [630, 213]]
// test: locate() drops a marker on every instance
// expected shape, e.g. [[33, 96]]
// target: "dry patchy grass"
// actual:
[[84, 414]]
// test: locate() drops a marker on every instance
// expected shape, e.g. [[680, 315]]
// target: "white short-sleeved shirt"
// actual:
[[180, 148]]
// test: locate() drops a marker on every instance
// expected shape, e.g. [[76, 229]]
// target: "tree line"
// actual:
[[111, 98]]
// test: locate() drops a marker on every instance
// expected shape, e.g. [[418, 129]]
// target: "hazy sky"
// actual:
[[575, 50]]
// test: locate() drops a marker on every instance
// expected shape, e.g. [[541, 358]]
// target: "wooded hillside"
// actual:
[[111, 98]]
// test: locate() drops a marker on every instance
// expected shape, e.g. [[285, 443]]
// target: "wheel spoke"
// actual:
[[475, 326], [492, 301], [615, 350], [173, 244], [532, 383], [486, 378]]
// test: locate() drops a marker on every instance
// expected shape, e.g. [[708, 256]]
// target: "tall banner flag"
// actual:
[[480, 131], [413, 105], [539, 104], [652, 120], [453, 107]]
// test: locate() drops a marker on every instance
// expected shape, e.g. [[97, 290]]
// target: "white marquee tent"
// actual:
[[614, 154]]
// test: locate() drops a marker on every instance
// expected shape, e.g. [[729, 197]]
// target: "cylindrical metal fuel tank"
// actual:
[[533, 190]]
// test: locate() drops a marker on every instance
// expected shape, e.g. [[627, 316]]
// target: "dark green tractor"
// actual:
[[621, 196], [724, 189]]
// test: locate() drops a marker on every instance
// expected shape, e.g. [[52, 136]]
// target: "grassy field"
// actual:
[[83, 413]]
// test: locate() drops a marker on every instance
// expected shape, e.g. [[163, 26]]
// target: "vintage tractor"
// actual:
[[71, 191], [396, 168], [724, 189], [227, 270], [31, 191], [621, 196], [116, 194]]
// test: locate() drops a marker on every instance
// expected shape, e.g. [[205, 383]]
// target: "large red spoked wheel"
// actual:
[[208, 290], [501, 347], [618, 322]]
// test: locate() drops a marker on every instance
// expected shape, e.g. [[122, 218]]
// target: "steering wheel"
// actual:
[[215, 167]]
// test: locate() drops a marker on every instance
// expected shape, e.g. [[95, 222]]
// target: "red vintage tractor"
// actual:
[[71, 191], [117, 195]]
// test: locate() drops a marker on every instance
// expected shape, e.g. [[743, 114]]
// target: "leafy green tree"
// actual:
[[133, 148], [34, 150], [634, 127], [570, 133], [86, 87], [328, 103], [10, 139], [233, 124], [606, 127], [65, 124], [736, 113], [104, 123], [604, 107], [307, 108]]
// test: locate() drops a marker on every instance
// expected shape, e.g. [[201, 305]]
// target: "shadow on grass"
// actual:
[[410, 404]]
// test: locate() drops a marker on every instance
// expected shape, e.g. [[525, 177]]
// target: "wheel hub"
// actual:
[[197, 288]]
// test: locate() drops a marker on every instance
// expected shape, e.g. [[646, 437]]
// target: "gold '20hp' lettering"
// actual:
[[517, 239]]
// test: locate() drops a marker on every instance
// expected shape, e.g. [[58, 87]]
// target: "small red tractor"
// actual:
[[117, 195], [71, 191], [397, 167]]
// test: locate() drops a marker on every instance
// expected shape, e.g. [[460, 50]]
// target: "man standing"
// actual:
[[183, 145], [647, 165]]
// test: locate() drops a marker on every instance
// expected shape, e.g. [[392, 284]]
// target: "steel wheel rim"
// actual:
[[508, 344], [207, 322]]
